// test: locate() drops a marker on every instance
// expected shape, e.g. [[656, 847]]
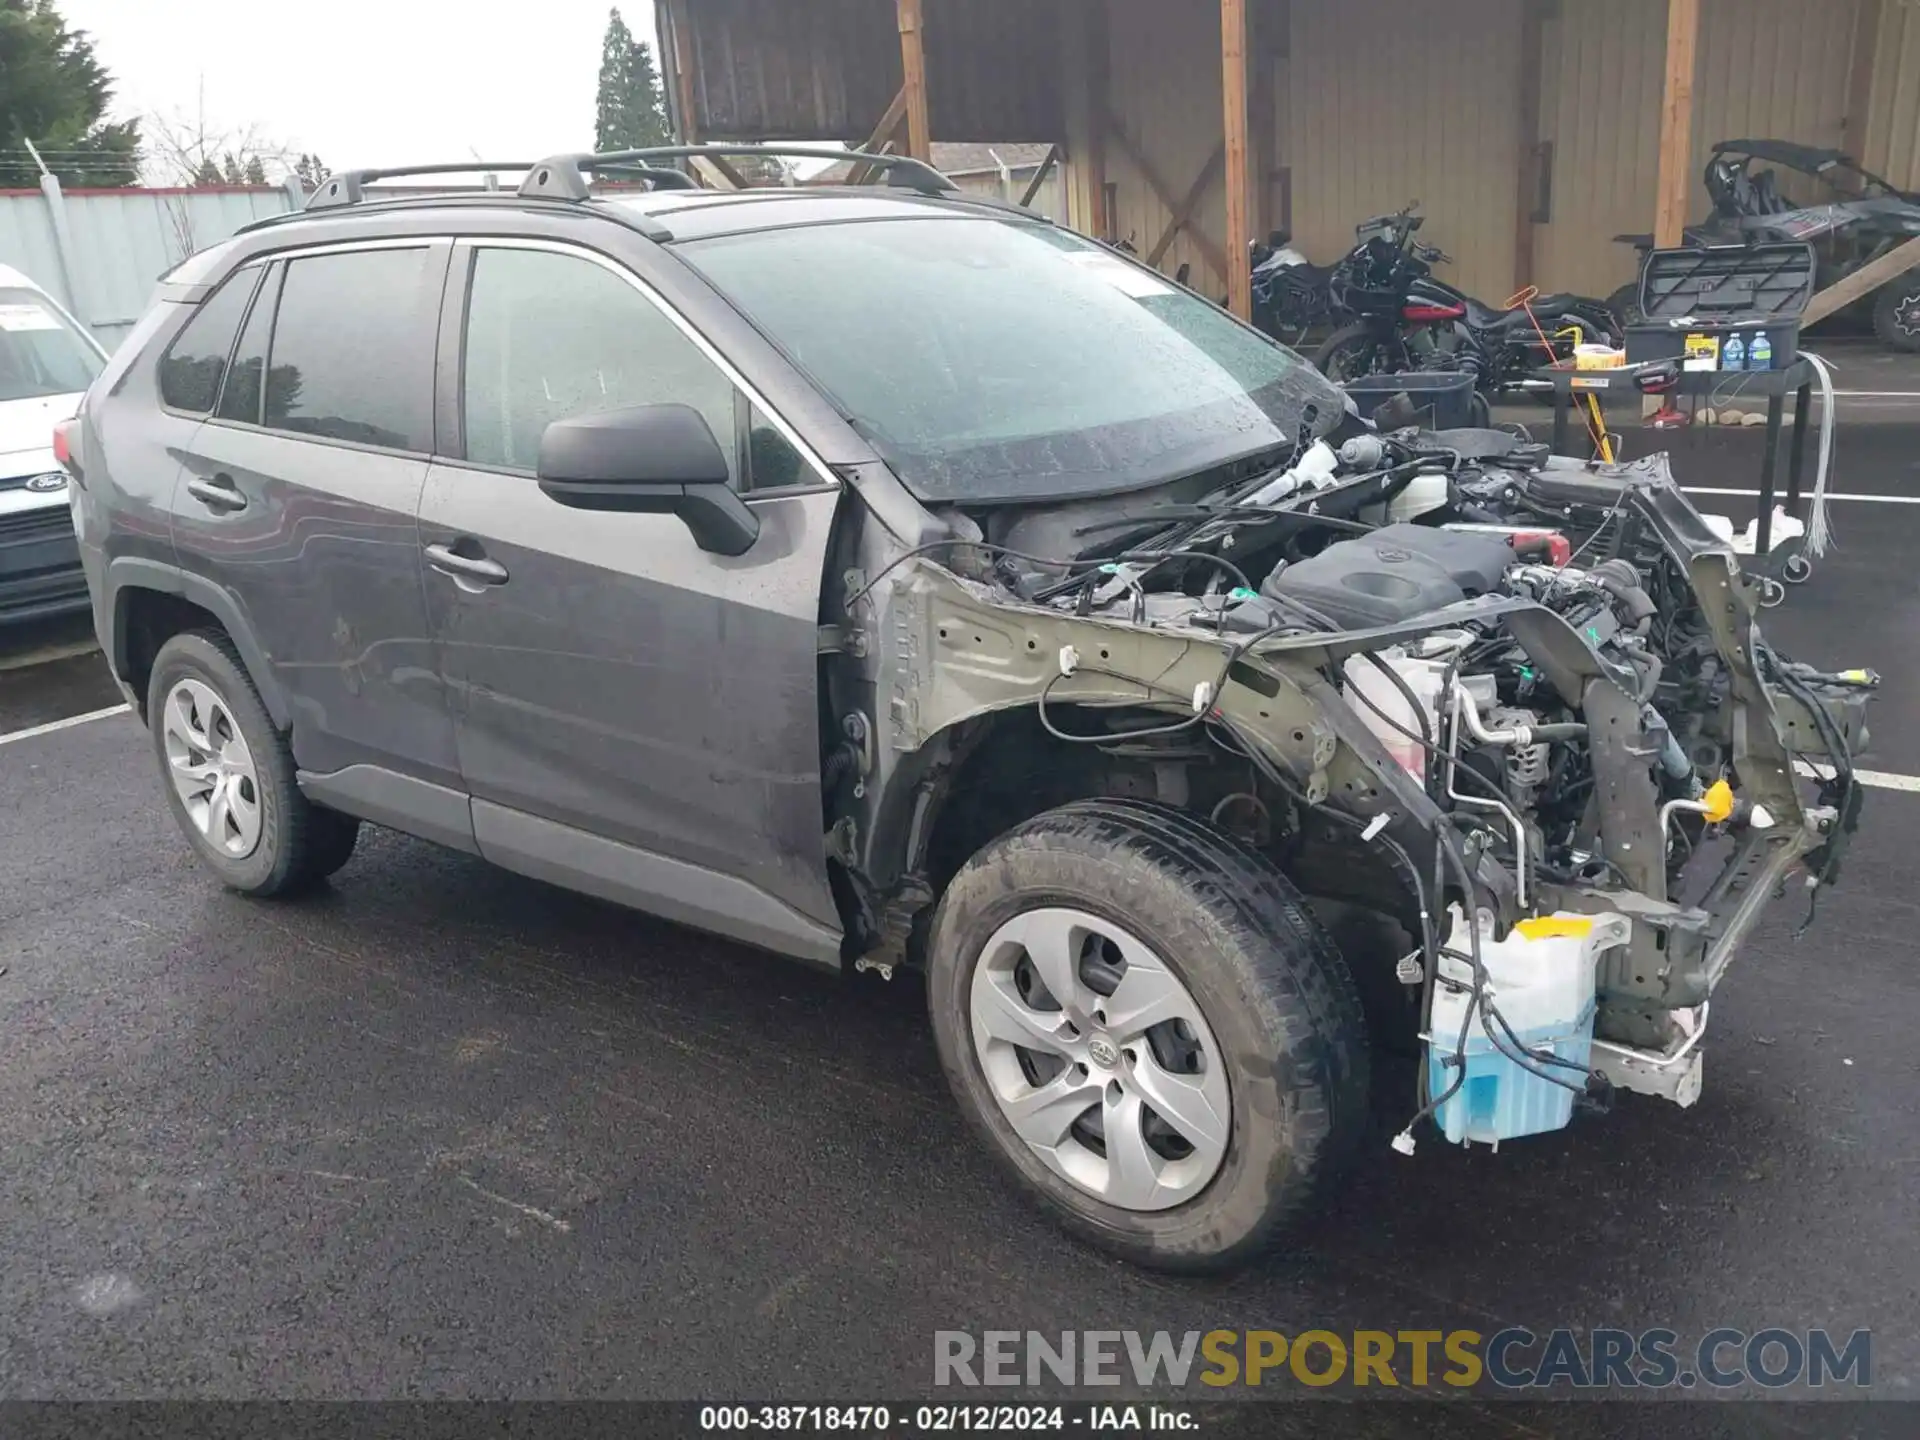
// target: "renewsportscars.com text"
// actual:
[[1512, 1359]]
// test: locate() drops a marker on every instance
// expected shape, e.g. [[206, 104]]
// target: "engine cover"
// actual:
[[1394, 574]]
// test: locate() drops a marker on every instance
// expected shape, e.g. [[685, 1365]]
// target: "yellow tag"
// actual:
[[1556, 927], [1857, 677], [1719, 801]]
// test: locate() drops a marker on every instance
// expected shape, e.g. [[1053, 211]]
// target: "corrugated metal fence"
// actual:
[[100, 252]]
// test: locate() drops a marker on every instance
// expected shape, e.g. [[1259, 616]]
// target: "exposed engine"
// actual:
[[1399, 530], [1521, 691]]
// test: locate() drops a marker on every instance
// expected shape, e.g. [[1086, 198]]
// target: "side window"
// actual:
[[550, 336], [196, 362], [240, 399], [772, 462], [351, 358]]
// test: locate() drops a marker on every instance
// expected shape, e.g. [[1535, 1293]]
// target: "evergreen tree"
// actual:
[[630, 111], [53, 92]]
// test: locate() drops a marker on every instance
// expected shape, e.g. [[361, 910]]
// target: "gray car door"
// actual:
[[634, 717], [299, 496]]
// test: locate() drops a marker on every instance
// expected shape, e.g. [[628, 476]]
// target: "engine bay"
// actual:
[[1537, 687]]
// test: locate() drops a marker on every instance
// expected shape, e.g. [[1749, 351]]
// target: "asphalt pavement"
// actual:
[[441, 1131]]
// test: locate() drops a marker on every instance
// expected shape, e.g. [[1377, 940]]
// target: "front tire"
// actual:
[[1896, 313], [1141, 1019], [1353, 351], [228, 773]]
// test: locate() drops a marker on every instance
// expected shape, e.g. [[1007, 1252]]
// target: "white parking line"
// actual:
[[1873, 779], [1859, 499], [67, 724]]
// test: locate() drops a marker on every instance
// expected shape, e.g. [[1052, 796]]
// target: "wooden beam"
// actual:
[[1040, 175], [1099, 42], [1233, 85], [1676, 124], [913, 70], [1866, 40], [1183, 212], [1082, 32], [1263, 115], [727, 171], [1533, 60], [1868, 278], [1203, 242], [883, 134], [683, 80]]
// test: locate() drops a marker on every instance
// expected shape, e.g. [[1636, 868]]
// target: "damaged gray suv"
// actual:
[[888, 578]]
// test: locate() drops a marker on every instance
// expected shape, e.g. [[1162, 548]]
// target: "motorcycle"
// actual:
[[1409, 320], [1291, 295]]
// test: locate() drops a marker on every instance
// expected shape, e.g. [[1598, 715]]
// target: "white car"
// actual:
[[47, 361]]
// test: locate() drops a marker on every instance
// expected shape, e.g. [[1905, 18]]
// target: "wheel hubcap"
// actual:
[[1907, 315], [1100, 1059], [211, 768]]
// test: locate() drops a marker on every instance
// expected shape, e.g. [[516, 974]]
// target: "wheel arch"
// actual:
[[149, 602]]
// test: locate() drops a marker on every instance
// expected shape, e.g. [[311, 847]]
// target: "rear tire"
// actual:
[[1352, 352], [1896, 313], [228, 773], [1275, 1026]]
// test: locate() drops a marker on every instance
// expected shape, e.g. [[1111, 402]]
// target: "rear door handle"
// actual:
[[462, 567], [219, 493]]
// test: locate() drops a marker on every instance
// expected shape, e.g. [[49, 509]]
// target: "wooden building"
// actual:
[[1531, 131]]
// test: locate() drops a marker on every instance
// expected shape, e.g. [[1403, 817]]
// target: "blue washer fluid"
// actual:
[[1540, 979]]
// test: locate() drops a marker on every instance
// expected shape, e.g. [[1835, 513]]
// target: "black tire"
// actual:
[[1896, 313], [1266, 977], [1351, 352], [299, 843]]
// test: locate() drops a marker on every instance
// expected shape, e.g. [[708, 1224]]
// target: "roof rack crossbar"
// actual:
[[560, 177], [349, 186]]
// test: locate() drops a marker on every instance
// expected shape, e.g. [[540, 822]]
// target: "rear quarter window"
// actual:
[[195, 364]]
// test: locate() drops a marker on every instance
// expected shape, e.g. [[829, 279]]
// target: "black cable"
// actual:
[[930, 546], [1599, 530]]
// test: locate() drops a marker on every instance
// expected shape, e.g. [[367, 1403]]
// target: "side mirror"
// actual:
[[649, 460]]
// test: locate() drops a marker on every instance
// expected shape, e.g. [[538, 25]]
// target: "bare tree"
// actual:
[[186, 151]]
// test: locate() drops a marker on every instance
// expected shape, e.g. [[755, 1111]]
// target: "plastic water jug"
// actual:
[[1760, 357], [1733, 355], [1540, 981]]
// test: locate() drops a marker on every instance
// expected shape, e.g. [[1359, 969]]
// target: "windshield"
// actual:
[[40, 353], [1000, 359]]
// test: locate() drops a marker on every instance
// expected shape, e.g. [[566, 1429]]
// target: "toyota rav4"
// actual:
[[885, 577]]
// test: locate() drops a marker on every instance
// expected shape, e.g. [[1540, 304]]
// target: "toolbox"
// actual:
[[1440, 400], [1713, 307]]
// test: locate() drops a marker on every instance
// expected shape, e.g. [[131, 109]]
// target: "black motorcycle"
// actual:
[[1406, 319], [1291, 295]]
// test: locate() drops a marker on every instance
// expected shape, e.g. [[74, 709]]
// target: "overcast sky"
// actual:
[[365, 82]]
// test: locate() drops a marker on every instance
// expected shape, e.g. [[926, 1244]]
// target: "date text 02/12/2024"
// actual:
[[940, 1419]]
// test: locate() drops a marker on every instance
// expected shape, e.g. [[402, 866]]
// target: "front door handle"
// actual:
[[219, 493], [465, 567]]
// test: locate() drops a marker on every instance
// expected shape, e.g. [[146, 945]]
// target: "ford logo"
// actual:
[[48, 483]]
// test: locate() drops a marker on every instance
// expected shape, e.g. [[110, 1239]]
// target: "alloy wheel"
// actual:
[[211, 768], [1100, 1059], [1906, 314]]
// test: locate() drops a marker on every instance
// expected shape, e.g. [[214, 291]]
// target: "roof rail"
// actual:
[[350, 186], [560, 177]]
